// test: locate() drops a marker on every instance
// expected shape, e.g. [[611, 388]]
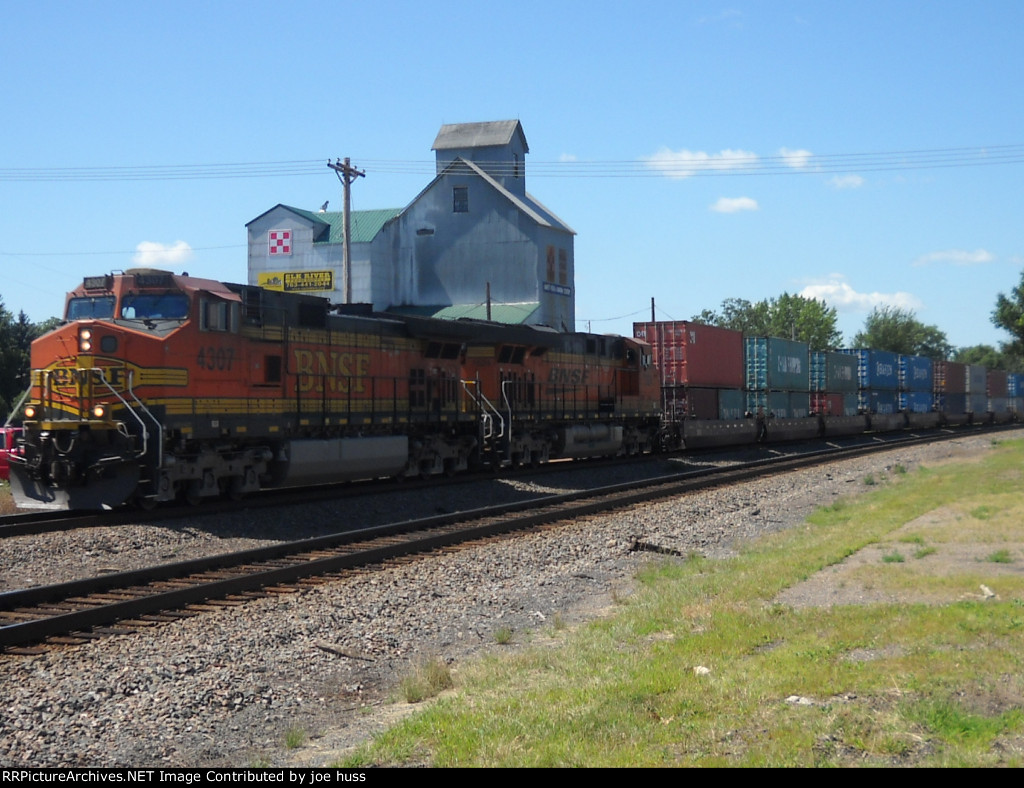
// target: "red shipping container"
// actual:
[[950, 377], [702, 403], [997, 383], [826, 404], [693, 354]]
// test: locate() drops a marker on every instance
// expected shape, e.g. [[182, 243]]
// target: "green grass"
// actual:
[[295, 738], [889, 684], [895, 557], [426, 681], [1000, 557]]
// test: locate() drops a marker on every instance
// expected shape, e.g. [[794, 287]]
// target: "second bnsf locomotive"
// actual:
[[159, 386]]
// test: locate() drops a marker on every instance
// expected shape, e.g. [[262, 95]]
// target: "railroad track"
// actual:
[[81, 610]]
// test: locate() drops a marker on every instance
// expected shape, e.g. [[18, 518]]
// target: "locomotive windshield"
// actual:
[[89, 307], [173, 306]]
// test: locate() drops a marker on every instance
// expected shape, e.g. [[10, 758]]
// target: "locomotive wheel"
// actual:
[[145, 502], [192, 492]]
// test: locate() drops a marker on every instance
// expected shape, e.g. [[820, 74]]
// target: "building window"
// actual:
[[563, 267], [460, 199], [551, 264]]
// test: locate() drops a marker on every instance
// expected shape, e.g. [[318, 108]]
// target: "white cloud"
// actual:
[[735, 204], [846, 181], [836, 292], [153, 253], [956, 257], [797, 159], [685, 164], [567, 157]]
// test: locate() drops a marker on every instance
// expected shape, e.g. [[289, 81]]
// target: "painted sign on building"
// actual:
[[279, 242]]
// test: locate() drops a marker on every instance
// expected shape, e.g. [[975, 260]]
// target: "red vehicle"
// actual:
[[159, 386], [8, 445]]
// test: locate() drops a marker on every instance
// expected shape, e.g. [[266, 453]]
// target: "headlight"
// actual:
[[99, 411], [30, 412], [84, 340]]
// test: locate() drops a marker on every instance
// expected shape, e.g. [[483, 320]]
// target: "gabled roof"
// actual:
[[479, 135], [527, 204], [365, 224]]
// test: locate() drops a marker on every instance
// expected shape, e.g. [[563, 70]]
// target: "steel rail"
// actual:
[[358, 548]]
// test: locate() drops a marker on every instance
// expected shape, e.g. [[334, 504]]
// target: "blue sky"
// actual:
[[701, 150]]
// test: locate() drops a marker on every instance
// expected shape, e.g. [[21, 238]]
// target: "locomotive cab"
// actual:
[[88, 436]]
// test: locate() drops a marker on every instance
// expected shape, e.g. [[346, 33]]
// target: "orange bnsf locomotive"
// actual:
[[160, 386]]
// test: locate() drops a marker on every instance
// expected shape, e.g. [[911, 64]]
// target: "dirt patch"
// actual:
[[931, 560]]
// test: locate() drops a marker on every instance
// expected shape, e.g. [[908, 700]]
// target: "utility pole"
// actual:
[[346, 174]]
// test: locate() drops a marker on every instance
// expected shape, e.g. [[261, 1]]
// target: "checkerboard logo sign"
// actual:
[[280, 242]]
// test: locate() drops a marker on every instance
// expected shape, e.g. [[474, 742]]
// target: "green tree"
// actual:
[[1009, 316], [986, 356], [899, 331], [787, 316]]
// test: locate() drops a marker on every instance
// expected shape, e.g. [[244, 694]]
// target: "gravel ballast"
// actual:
[[223, 688]]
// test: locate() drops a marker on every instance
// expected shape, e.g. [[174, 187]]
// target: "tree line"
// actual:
[[16, 335], [886, 328]]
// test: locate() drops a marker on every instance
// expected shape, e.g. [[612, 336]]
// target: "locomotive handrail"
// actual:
[[481, 399], [130, 409], [156, 421]]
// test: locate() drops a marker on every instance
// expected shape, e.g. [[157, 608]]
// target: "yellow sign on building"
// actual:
[[297, 281]]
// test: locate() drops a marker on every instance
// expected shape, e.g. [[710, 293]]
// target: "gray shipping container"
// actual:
[[977, 380]]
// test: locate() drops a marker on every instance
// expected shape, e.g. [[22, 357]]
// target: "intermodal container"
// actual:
[[780, 364], [950, 378], [693, 354], [955, 403], [881, 401], [731, 404], [1015, 385], [876, 369], [701, 403], [834, 403], [916, 374], [977, 403], [999, 404], [977, 380], [827, 404], [833, 372], [777, 404], [917, 401], [998, 384]]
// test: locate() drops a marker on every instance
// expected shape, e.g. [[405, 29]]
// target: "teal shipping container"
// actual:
[[731, 404], [776, 364], [833, 372], [779, 404]]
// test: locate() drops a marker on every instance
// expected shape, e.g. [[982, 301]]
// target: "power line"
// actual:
[[664, 163]]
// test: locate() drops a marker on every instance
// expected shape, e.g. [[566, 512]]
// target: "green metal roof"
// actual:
[[365, 224], [511, 314]]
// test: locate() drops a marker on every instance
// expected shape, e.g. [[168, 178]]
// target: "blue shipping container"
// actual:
[[915, 374], [878, 401], [951, 403], [917, 401], [877, 369]]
